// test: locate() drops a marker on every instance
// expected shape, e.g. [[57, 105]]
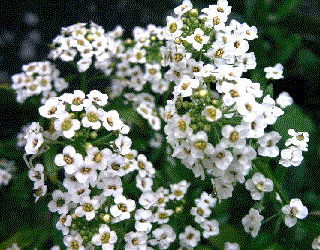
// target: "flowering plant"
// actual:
[[159, 155]]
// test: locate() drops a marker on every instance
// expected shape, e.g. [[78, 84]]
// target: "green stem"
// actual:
[[55, 142], [104, 140], [84, 82], [270, 218], [267, 173]]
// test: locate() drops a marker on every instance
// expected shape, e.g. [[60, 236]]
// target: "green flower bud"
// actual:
[[177, 40], [185, 104], [206, 128], [194, 126], [93, 134]]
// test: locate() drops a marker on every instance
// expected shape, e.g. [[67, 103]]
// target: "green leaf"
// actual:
[[229, 233], [269, 90], [249, 4], [294, 118], [287, 7], [290, 46]]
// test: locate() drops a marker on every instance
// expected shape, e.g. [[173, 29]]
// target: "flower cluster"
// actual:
[[38, 78], [217, 123]]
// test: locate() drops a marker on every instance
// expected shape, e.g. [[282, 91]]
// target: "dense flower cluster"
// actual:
[[38, 78], [217, 123]]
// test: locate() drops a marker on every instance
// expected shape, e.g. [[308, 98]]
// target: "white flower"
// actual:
[[274, 72], [111, 186], [268, 146], [143, 220], [316, 243], [39, 189], [207, 199], [299, 139], [87, 208], [221, 157], [111, 120], [123, 207], [73, 242], [69, 159], [93, 117], [211, 228], [36, 174], [183, 8], [34, 141], [5, 177], [284, 100], [97, 97], [211, 113], [52, 108], [162, 215], [147, 199], [164, 236], [252, 222], [59, 202], [67, 125], [231, 246], [178, 190], [77, 100], [97, 157], [201, 211], [64, 223], [293, 211], [258, 185], [122, 145], [190, 236], [233, 136], [86, 172], [291, 156], [223, 187], [136, 241], [186, 85], [197, 39], [106, 238], [200, 145]]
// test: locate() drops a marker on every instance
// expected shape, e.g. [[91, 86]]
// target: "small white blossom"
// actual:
[[293, 211], [252, 222]]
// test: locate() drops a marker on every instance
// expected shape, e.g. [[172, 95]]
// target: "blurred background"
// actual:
[[289, 33]]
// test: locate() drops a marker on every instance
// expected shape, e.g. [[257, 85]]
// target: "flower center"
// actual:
[[182, 125], [184, 85], [66, 124], [52, 110], [77, 101], [74, 245], [200, 145], [87, 207], [97, 157], [234, 136], [200, 211], [105, 238], [162, 216], [85, 170], [219, 53], [216, 20], [173, 27], [178, 57], [234, 93], [177, 192], [236, 44], [212, 113], [135, 241], [60, 202], [260, 186], [122, 207], [152, 71], [115, 166], [67, 159], [198, 38], [92, 117], [141, 165]]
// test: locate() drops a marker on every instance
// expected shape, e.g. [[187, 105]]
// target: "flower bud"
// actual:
[[88, 145], [107, 218], [185, 104], [177, 40], [194, 12], [203, 93], [93, 134]]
